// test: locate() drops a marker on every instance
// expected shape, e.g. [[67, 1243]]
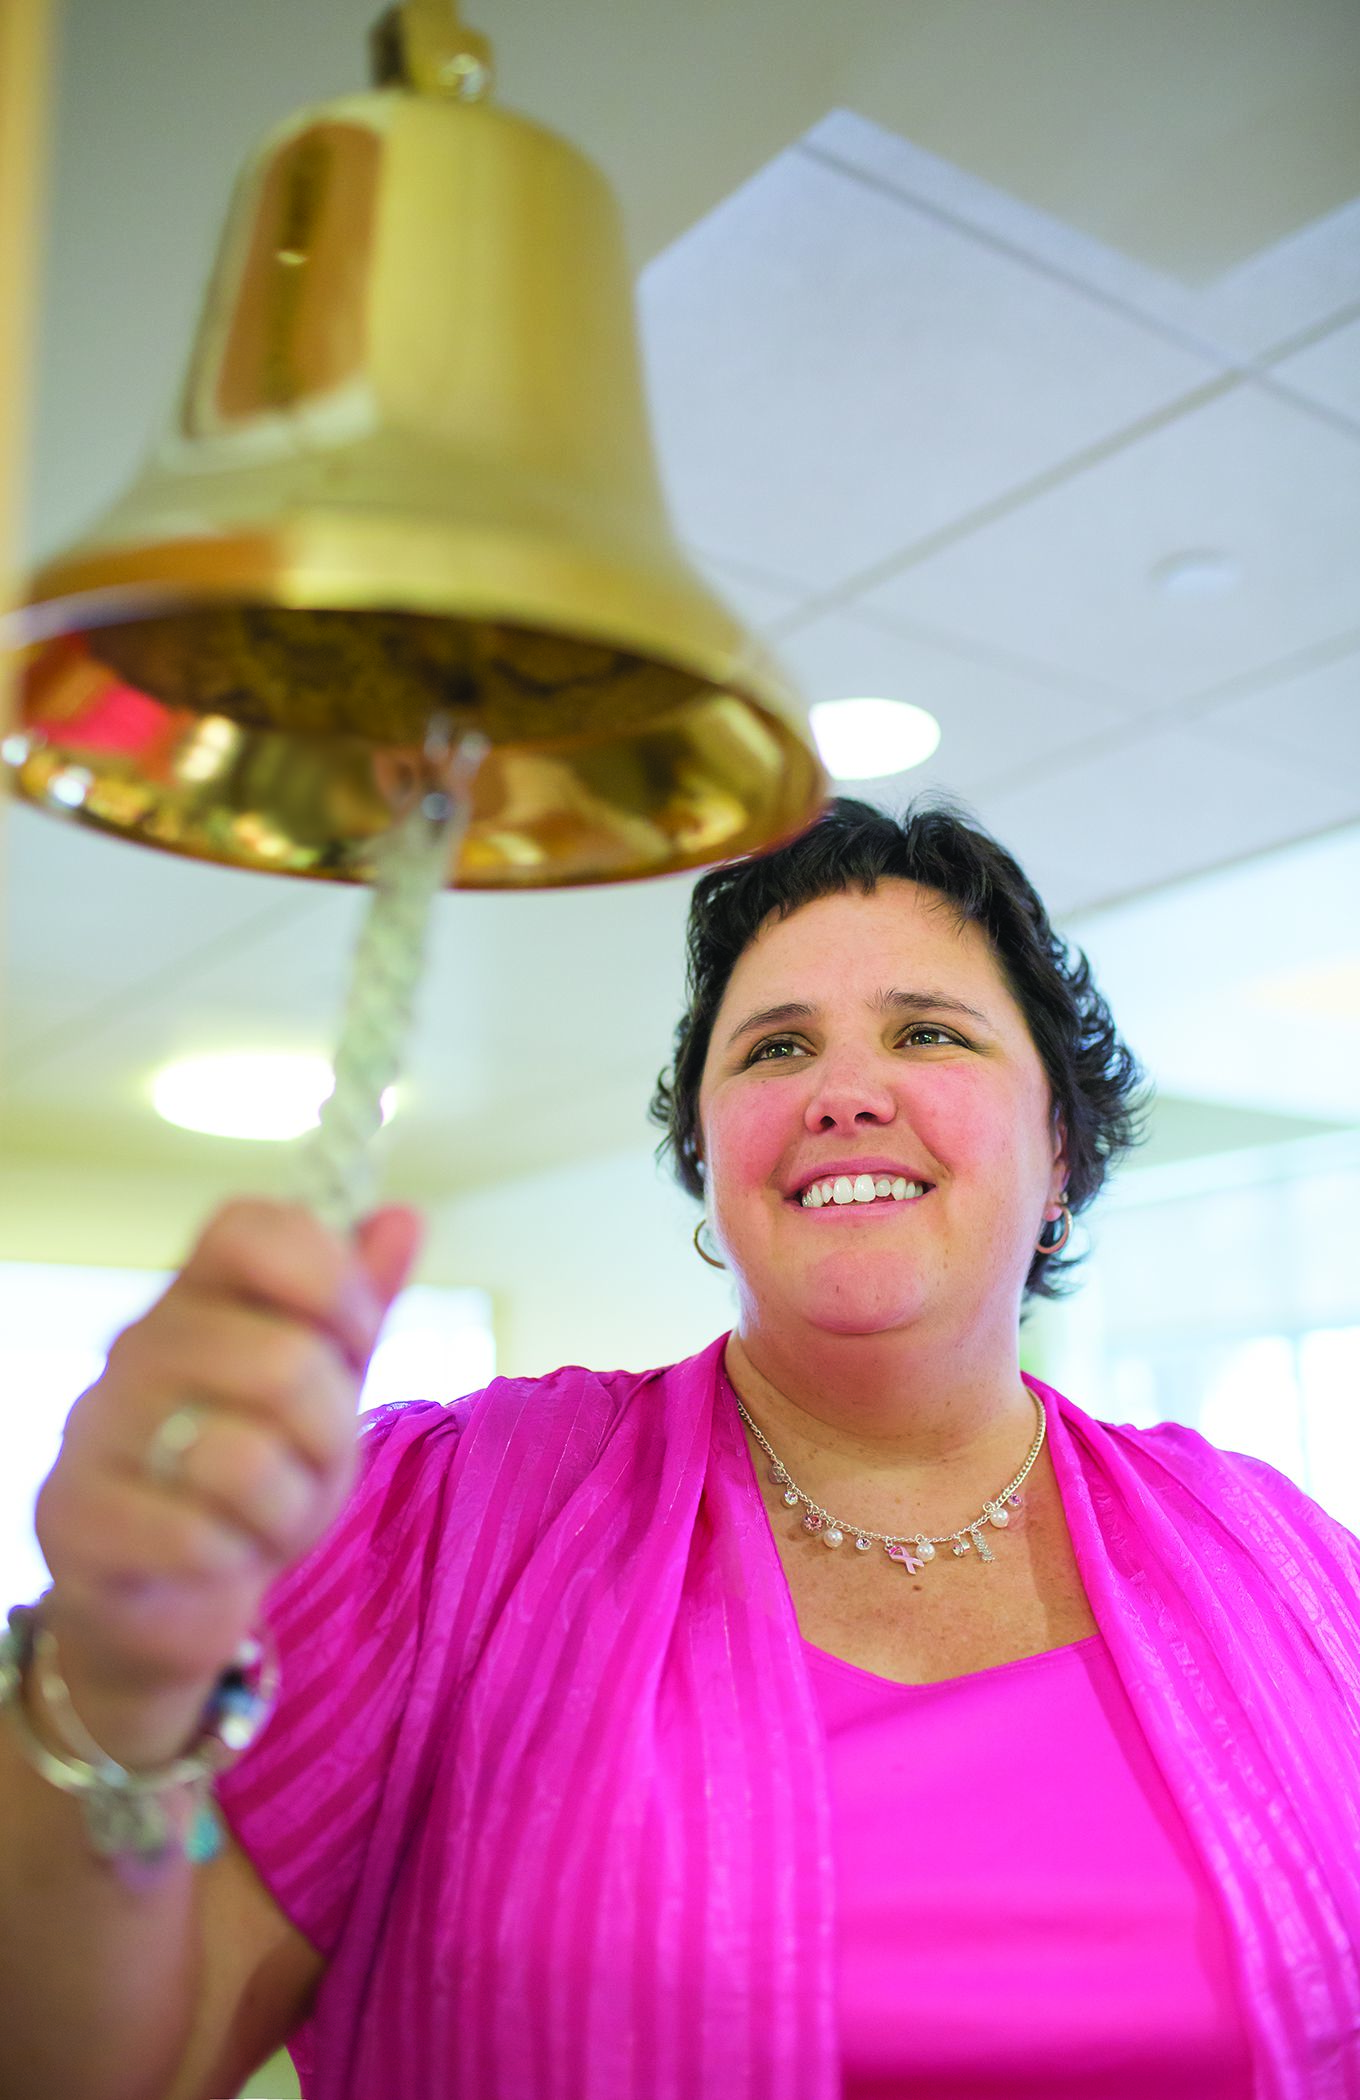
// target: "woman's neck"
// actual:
[[897, 1405]]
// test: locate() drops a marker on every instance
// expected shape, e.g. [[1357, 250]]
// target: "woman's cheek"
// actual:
[[746, 1136], [959, 1125], [981, 1139], [965, 1123]]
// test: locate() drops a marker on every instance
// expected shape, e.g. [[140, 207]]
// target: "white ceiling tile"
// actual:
[[994, 215], [835, 373], [1065, 579], [1171, 803], [92, 919], [992, 718], [1313, 719], [1296, 284], [1328, 370]]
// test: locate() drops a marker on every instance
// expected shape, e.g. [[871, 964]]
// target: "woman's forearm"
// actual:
[[97, 1981]]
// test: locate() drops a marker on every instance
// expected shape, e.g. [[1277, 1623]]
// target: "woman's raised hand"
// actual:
[[267, 1332]]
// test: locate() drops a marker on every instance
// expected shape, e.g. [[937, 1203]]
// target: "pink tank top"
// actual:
[[1020, 1909]]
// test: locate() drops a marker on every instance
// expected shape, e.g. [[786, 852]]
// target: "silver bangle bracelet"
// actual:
[[139, 1822]]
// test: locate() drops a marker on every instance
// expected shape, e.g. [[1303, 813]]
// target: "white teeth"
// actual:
[[864, 1188]]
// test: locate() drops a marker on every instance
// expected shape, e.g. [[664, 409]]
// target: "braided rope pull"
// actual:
[[336, 1168]]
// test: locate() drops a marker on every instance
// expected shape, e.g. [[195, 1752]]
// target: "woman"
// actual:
[[840, 1710]]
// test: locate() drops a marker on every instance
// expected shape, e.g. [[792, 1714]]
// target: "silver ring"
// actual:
[[177, 1434]]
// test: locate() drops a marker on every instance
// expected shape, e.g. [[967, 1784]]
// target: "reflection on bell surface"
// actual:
[[409, 474]]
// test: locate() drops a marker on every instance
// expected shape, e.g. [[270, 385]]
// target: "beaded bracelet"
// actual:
[[127, 1822]]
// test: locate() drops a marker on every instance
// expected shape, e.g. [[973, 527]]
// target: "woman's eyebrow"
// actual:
[[928, 1003], [886, 1002], [770, 1017]]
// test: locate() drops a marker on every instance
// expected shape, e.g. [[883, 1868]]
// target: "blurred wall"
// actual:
[[587, 1264]]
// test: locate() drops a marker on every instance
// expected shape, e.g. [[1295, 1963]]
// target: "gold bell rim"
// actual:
[[399, 565], [557, 810]]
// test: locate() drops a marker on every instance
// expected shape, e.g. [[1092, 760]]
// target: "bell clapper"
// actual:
[[413, 862]]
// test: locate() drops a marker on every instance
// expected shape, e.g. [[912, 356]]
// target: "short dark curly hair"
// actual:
[[1096, 1083]]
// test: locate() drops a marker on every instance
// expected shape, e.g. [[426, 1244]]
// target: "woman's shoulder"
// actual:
[[570, 1393], [1248, 1492]]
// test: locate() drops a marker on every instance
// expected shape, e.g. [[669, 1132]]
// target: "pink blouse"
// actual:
[[573, 1813], [1045, 1928]]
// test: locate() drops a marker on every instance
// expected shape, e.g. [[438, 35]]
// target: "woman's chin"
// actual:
[[845, 1293], [860, 1303], [877, 1318]]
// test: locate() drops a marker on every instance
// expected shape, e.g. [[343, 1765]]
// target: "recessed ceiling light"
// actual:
[[1203, 573], [864, 739], [248, 1094]]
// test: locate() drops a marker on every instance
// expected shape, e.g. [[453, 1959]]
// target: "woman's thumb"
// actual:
[[387, 1244]]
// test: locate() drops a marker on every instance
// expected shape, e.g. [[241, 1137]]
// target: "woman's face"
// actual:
[[876, 1035]]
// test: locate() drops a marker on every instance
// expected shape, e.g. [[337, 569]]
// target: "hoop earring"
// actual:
[[698, 1248], [1044, 1246]]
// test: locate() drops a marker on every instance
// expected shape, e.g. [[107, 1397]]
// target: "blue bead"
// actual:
[[205, 1839]]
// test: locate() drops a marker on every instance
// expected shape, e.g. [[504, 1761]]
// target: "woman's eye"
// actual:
[[773, 1050], [778, 1049]]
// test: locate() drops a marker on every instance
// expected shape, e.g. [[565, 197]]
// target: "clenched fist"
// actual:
[[267, 1332]]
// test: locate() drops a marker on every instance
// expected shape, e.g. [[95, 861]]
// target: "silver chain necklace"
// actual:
[[915, 1549]]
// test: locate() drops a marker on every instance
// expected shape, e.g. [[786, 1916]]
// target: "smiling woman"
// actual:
[[859, 1091], [962, 879], [634, 1733]]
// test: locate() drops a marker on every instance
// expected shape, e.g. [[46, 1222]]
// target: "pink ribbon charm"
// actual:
[[905, 1555]]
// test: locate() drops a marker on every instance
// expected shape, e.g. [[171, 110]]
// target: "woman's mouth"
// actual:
[[861, 1190]]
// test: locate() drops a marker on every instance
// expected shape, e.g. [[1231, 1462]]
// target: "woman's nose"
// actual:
[[849, 1095]]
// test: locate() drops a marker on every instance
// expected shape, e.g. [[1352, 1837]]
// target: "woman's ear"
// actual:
[[1060, 1161]]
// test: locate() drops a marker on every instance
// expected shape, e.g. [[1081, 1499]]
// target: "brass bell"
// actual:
[[408, 477]]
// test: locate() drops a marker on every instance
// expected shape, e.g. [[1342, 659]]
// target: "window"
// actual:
[[1293, 1400]]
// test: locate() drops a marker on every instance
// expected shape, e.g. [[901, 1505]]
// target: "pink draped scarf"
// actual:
[[621, 1753]]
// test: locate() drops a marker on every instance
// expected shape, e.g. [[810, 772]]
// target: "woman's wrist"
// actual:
[[141, 1732], [77, 1692]]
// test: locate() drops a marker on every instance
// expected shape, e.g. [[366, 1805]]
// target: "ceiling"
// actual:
[[961, 320]]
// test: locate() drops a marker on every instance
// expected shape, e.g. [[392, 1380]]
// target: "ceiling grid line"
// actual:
[[987, 656], [1097, 907], [1256, 370], [1014, 251], [1008, 504], [1192, 713], [1123, 742], [1307, 338], [1185, 710], [1211, 350]]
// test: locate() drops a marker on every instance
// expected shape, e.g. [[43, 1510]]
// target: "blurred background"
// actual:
[[1004, 358]]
